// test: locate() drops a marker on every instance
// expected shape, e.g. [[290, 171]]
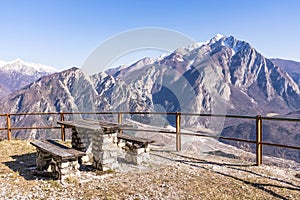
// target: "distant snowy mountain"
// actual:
[[16, 74], [26, 67], [2, 63]]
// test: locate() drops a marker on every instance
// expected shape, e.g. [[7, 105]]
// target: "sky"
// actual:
[[62, 33]]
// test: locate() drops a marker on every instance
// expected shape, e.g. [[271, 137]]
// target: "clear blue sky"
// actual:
[[62, 33]]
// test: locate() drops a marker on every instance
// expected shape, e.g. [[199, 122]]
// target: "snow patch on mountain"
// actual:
[[218, 37], [2, 63]]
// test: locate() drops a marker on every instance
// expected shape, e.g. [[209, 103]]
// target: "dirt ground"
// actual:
[[166, 175]]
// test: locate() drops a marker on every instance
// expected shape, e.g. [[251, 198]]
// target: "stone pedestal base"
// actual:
[[136, 158], [105, 151], [136, 154], [56, 167], [101, 149]]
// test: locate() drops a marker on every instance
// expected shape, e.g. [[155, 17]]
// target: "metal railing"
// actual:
[[258, 141]]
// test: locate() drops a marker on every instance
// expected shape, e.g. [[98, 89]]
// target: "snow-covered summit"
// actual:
[[215, 39], [26, 67], [219, 36]]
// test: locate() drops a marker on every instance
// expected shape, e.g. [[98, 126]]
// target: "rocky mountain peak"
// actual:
[[216, 38]]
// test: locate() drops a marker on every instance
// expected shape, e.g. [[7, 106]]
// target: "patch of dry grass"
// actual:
[[15, 155]]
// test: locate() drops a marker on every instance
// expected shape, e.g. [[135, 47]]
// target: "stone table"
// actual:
[[98, 139]]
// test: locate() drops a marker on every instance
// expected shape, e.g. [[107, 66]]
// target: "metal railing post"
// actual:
[[8, 127], [178, 136], [62, 128], [120, 117], [258, 140]]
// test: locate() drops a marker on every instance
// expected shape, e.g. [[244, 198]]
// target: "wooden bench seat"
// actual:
[[56, 158], [135, 140], [57, 150]]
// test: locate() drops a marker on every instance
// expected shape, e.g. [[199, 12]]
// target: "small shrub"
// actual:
[[72, 180], [54, 184]]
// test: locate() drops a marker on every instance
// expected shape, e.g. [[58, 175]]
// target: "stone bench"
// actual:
[[136, 148], [56, 159]]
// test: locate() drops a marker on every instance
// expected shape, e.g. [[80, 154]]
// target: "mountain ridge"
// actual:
[[291, 67]]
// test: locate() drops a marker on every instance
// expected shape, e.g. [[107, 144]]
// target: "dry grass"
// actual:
[[182, 178]]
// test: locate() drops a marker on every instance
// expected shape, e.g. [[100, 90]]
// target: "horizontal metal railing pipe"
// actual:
[[219, 115], [35, 113], [81, 113], [147, 113], [90, 113], [280, 145], [281, 119], [57, 113], [35, 127]]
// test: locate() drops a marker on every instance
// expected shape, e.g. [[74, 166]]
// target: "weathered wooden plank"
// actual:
[[80, 124], [67, 149], [52, 149], [107, 127], [101, 122], [134, 139], [94, 125]]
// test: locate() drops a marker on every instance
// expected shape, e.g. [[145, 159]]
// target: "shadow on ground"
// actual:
[[223, 154], [24, 165]]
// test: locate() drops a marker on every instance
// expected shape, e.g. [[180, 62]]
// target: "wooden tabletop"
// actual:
[[94, 125]]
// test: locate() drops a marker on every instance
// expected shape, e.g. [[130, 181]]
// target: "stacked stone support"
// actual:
[[101, 149], [136, 154], [105, 151], [82, 141], [57, 167]]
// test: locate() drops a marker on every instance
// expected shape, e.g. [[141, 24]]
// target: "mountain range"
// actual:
[[221, 76]]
